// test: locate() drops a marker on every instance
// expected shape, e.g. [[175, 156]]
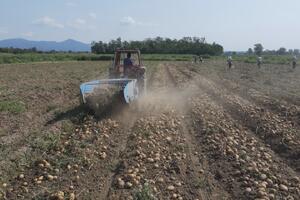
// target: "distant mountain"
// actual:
[[67, 45]]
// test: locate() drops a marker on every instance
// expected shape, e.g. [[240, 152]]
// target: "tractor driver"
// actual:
[[127, 63]]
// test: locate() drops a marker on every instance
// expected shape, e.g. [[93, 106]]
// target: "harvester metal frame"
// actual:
[[132, 85]]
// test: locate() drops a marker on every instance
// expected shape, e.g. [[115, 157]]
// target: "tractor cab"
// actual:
[[125, 63]]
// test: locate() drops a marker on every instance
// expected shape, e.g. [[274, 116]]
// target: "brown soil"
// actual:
[[201, 132]]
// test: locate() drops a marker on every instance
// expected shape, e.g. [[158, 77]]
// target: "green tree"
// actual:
[[250, 51], [186, 45], [296, 51], [281, 51], [258, 49]]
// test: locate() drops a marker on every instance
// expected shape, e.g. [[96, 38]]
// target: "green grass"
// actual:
[[14, 107], [46, 143], [167, 57], [144, 193], [50, 57], [53, 57], [267, 59], [67, 126]]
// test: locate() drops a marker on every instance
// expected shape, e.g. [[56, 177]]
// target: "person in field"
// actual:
[[200, 59], [259, 61], [294, 62], [195, 59], [229, 62]]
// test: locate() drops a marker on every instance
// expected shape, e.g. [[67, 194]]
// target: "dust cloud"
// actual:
[[102, 100], [165, 99]]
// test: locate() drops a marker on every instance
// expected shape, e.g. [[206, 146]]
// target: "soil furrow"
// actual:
[[234, 187], [282, 137], [205, 180], [240, 161], [287, 111]]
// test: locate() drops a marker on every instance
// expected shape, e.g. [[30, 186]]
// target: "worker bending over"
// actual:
[[294, 61], [229, 62], [259, 61]]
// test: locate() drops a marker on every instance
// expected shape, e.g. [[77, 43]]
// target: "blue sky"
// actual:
[[236, 24]]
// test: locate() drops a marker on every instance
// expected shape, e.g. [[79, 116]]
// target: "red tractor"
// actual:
[[128, 64]]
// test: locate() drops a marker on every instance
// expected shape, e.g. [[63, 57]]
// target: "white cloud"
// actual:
[[77, 23], [28, 34], [81, 24], [48, 21], [92, 15], [80, 21], [129, 21]]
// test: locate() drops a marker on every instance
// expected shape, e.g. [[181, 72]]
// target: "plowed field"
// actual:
[[201, 132]]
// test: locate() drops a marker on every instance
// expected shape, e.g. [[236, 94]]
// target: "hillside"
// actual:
[[67, 45]]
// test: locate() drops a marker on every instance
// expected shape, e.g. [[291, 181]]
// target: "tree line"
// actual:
[[159, 45], [18, 50], [259, 50]]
